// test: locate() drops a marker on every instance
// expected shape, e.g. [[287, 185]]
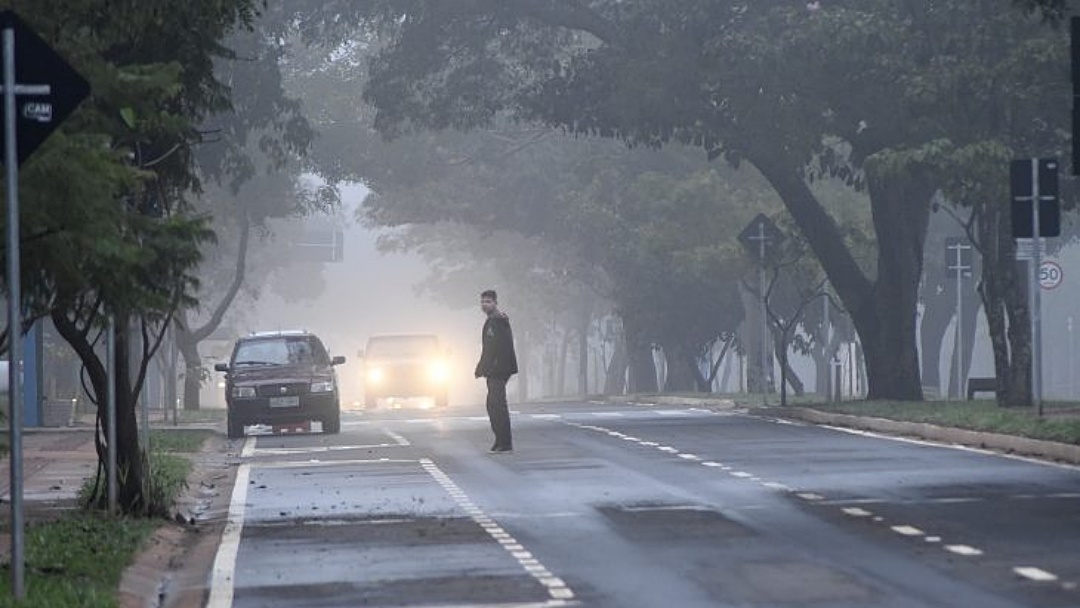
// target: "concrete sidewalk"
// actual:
[[56, 463]]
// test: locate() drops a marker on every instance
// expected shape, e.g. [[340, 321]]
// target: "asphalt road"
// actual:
[[637, 505]]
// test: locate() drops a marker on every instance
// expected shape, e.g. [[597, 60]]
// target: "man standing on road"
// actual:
[[497, 363]]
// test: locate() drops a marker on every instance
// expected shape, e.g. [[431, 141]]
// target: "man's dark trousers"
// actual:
[[498, 412]]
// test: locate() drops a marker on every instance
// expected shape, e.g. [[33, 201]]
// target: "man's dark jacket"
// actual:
[[497, 358]]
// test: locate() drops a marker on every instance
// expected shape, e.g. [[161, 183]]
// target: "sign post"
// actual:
[[54, 94], [960, 268], [760, 234], [1034, 182]]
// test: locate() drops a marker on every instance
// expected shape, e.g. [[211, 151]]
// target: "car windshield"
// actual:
[[402, 346], [296, 350]]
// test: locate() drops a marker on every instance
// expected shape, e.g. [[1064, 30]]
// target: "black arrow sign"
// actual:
[[36, 63]]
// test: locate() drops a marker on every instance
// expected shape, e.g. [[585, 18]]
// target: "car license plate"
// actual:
[[292, 401]]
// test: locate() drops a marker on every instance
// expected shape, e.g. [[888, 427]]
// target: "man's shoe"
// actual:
[[500, 449]]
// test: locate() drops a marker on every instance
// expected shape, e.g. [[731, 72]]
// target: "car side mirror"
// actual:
[[337, 360], [221, 367]]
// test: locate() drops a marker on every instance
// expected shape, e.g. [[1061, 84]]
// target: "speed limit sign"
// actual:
[[1050, 275]]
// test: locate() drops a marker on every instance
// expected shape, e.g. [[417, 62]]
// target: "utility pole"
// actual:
[[960, 268], [757, 237]]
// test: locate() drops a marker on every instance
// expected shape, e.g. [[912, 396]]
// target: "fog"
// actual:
[[367, 293]]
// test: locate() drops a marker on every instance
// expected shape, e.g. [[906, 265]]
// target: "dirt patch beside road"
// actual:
[[174, 569]]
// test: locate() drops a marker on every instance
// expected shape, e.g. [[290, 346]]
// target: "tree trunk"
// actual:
[[560, 373], [821, 369], [583, 352], [680, 375], [193, 369], [901, 213], [1004, 300], [189, 338], [884, 312], [758, 378], [970, 320], [787, 373], [128, 454], [725, 378], [792, 377], [615, 378], [640, 355], [935, 320], [129, 457]]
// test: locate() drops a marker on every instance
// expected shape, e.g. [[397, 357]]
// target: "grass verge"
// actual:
[[984, 416], [77, 559], [186, 441]]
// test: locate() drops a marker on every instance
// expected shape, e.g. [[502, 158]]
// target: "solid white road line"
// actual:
[[224, 572], [249, 448], [323, 449], [951, 446]]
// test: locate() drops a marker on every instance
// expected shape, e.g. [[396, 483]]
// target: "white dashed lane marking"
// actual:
[[908, 531], [1035, 574], [963, 550], [1029, 572], [557, 589]]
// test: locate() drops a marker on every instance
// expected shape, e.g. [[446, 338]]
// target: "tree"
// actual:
[[598, 72], [105, 230], [761, 83], [794, 282], [256, 162]]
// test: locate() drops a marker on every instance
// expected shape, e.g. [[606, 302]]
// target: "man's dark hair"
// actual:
[[489, 293]]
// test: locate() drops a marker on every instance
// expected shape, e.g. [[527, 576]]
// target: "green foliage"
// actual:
[[166, 478], [76, 560], [186, 441]]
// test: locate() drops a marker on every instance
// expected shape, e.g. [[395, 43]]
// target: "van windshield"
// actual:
[[402, 346]]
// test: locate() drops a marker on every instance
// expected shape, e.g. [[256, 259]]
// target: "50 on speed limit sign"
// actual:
[[1050, 274]]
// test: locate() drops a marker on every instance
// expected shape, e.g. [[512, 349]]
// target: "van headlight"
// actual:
[[439, 371], [243, 392], [322, 386], [375, 375]]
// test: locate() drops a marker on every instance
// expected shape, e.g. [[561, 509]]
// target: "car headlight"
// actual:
[[375, 375], [439, 371], [322, 386], [243, 392]]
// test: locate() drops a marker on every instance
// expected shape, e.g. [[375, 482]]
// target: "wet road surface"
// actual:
[[628, 505]]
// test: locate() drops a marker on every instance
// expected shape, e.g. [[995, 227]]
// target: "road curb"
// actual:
[[1010, 444], [1038, 448]]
